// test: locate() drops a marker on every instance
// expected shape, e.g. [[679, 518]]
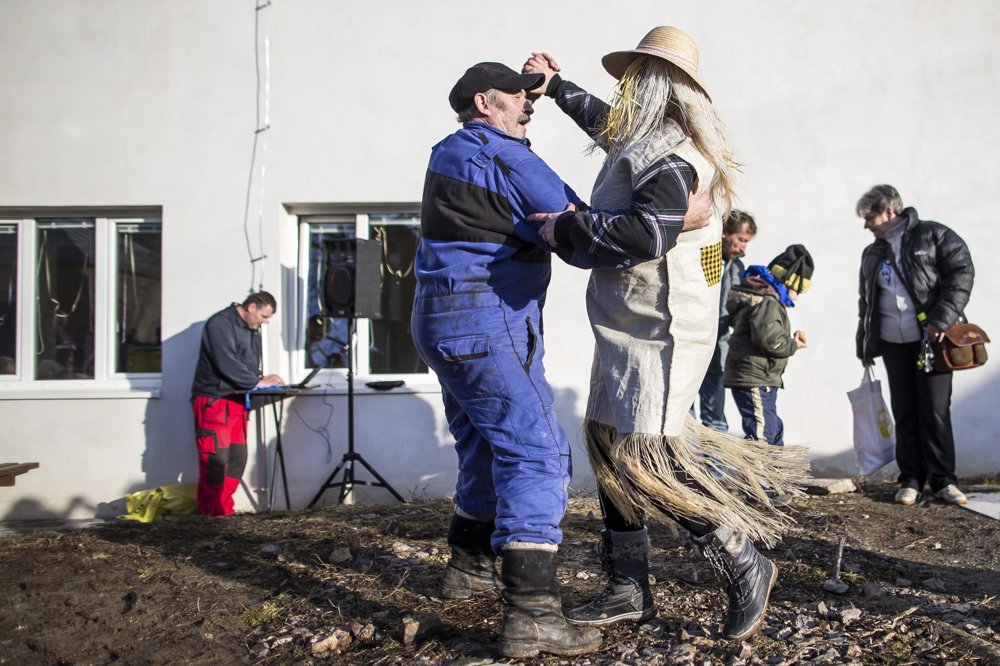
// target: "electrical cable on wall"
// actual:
[[324, 430], [259, 137]]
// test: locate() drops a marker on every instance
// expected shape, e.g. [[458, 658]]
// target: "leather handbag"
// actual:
[[962, 347]]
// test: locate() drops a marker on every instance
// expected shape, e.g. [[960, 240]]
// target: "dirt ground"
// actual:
[[356, 585]]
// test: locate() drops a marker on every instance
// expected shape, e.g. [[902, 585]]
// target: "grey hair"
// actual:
[[878, 200], [653, 91], [471, 112]]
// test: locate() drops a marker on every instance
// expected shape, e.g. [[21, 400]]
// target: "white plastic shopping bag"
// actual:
[[874, 435]]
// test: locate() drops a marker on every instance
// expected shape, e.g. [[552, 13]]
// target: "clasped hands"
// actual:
[[698, 215], [699, 209]]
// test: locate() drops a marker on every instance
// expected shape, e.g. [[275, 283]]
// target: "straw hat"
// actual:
[[666, 42]]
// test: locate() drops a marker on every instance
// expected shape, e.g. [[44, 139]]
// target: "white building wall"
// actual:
[[141, 103]]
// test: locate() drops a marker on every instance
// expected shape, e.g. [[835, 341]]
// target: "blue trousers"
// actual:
[[759, 412], [513, 458]]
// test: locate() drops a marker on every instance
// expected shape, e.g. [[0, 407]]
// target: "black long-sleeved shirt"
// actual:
[[648, 229], [229, 362]]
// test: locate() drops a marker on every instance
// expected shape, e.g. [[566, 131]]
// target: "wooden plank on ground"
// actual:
[[10, 470]]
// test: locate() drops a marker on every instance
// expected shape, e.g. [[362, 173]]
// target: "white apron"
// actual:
[[655, 323]]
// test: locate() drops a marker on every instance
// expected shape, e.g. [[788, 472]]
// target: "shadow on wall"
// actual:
[[570, 411], [844, 465], [314, 437], [975, 422], [170, 455], [38, 514], [315, 441], [387, 424]]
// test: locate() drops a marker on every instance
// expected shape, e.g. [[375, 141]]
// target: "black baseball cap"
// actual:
[[486, 75]]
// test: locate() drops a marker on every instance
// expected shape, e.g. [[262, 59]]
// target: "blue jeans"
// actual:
[[759, 411], [712, 393], [513, 458]]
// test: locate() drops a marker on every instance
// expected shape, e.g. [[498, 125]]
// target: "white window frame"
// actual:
[[106, 383], [306, 216]]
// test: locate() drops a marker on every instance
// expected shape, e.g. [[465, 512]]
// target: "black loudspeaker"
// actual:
[[352, 279]]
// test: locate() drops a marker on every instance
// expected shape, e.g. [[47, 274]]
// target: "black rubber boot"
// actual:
[[471, 569], [748, 576], [626, 596], [533, 620]]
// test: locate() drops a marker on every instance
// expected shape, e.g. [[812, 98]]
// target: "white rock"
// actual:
[[830, 486], [849, 615], [415, 627]]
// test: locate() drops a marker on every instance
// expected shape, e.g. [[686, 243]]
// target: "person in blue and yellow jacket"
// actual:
[[482, 272]]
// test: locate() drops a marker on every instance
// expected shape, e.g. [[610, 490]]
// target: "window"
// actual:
[[79, 298], [334, 272], [64, 299], [137, 292], [8, 299]]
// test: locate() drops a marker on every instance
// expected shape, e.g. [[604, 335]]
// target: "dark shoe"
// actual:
[[748, 576], [533, 620], [470, 571], [626, 596], [779, 499]]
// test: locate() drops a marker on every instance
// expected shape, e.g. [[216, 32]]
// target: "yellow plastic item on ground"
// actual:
[[164, 503]]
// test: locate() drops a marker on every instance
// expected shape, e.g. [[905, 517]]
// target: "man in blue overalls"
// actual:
[[482, 272]]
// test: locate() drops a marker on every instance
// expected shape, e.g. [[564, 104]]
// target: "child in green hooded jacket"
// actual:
[[762, 340]]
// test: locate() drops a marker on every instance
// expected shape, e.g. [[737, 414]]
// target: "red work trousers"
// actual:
[[221, 432]]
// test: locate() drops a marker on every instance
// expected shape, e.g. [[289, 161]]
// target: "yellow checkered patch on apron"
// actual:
[[711, 263]]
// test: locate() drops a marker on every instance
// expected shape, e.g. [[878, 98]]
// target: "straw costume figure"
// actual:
[[655, 322]]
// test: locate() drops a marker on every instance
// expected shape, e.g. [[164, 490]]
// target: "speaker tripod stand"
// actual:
[[347, 463]]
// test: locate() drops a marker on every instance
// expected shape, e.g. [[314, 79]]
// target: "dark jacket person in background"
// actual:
[[229, 365], [738, 229], [916, 279]]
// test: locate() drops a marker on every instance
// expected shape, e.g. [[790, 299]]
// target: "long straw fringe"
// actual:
[[639, 474], [620, 124]]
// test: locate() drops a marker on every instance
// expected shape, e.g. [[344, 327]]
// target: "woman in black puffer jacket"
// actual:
[[916, 279]]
